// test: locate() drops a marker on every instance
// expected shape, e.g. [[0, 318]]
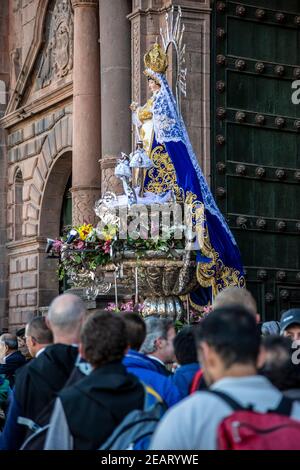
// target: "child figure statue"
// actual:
[[140, 163]]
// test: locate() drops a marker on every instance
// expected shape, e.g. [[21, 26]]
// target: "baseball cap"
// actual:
[[20, 332], [289, 317]]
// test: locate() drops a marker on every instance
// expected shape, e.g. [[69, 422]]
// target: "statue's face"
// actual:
[[153, 86]]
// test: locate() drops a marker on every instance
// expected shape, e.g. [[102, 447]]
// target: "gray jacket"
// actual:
[[192, 424]]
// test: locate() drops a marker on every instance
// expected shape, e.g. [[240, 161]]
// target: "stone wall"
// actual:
[[27, 12], [3, 252], [32, 149], [36, 134], [41, 151], [16, 33], [4, 86], [38, 153]]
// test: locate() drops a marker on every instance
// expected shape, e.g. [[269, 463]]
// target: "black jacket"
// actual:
[[38, 382], [12, 363], [97, 404]]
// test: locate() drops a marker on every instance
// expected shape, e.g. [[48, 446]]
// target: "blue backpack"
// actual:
[[136, 429]]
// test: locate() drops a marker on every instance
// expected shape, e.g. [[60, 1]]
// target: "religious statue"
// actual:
[[140, 163], [123, 172], [161, 129]]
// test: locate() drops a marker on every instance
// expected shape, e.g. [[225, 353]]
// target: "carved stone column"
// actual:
[[86, 114], [4, 81], [115, 87]]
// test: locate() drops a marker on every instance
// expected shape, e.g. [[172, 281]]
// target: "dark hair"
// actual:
[[278, 367], [38, 329], [232, 333], [284, 376], [280, 346], [153, 79], [20, 332], [104, 338], [135, 329], [185, 346]]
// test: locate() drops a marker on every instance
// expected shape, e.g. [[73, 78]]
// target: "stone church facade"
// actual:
[[68, 72]]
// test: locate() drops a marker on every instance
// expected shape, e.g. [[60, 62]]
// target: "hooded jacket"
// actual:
[[92, 408]]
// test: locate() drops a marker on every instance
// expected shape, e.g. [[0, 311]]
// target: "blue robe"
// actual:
[[219, 262]]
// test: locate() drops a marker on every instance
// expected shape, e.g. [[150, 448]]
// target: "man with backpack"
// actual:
[[234, 412], [41, 378]]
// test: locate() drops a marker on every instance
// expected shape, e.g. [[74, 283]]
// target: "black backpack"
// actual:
[[137, 428], [133, 433]]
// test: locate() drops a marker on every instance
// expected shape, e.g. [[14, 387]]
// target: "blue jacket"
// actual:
[[149, 373], [183, 377]]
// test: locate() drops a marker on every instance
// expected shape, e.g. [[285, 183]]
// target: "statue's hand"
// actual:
[[133, 106]]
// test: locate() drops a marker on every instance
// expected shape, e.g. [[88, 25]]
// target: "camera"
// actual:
[[72, 235], [49, 245]]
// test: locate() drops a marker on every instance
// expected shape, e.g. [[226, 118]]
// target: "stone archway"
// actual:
[[52, 200], [49, 224], [37, 174], [45, 162]]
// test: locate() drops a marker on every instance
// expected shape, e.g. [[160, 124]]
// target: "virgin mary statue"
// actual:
[[176, 168]]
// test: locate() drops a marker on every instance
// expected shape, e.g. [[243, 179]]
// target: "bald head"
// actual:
[[65, 316], [235, 296]]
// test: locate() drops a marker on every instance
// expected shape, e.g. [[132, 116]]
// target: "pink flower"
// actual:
[[128, 306], [57, 245], [79, 245], [106, 247], [111, 307], [207, 309], [124, 307]]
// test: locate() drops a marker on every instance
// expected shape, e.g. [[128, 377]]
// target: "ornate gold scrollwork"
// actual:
[[163, 176]]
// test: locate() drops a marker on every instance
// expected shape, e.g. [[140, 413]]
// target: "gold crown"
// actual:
[[156, 59]]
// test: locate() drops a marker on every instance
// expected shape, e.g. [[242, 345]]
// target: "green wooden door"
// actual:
[[66, 211], [256, 142], [65, 225]]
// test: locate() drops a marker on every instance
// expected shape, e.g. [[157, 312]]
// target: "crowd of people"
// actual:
[[86, 379]]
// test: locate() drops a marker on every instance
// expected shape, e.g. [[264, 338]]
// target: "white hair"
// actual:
[[156, 327], [9, 340]]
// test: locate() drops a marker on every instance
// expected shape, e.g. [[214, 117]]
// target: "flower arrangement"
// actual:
[[85, 248], [89, 249], [130, 306]]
